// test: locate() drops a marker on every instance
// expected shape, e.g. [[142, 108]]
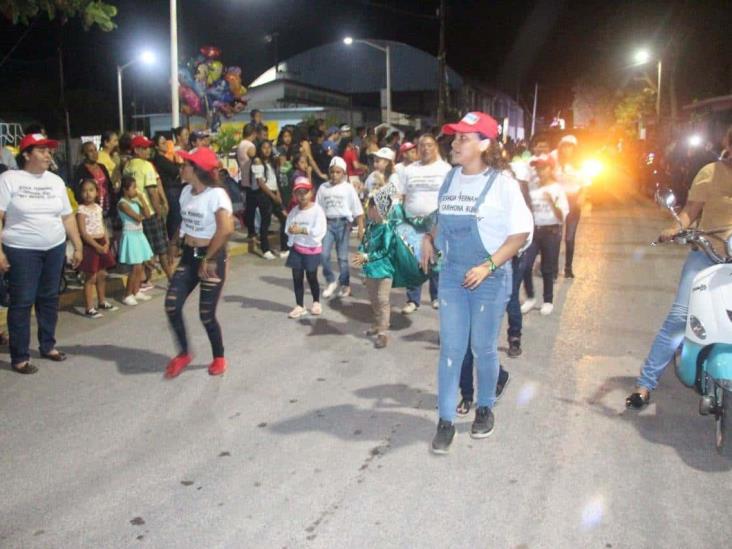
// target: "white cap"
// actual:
[[386, 153], [568, 140], [345, 128], [338, 162]]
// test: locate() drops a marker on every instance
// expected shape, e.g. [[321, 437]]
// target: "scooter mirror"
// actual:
[[666, 198], [729, 246]]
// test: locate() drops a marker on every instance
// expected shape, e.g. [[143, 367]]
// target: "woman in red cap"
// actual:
[[482, 222], [206, 226], [36, 217]]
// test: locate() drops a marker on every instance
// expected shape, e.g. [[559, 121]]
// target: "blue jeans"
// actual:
[[513, 309], [463, 310], [671, 334], [34, 279], [414, 295], [338, 232]]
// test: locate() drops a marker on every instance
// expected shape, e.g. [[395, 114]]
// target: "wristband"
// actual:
[[491, 265]]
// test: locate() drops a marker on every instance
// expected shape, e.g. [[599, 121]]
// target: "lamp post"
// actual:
[[348, 41], [146, 57], [174, 99], [642, 57]]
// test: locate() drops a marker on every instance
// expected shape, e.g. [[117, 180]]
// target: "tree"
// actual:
[[634, 107], [91, 12]]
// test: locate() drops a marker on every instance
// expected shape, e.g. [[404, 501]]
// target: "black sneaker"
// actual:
[[107, 306], [443, 438], [93, 313], [503, 379], [483, 424], [514, 347]]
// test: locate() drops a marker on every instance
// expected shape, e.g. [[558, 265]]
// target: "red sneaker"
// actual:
[[218, 366], [177, 365]]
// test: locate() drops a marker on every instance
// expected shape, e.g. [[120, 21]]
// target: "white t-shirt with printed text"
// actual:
[[199, 211], [33, 206], [421, 185], [339, 200], [541, 207], [502, 213]]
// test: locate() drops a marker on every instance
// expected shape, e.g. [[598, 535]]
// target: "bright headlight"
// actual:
[[697, 327], [591, 168]]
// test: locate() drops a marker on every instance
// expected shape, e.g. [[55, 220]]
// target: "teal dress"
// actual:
[[134, 248]]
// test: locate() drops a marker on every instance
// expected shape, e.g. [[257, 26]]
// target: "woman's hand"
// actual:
[[428, 253], [475, 276], [358, 260], [77, 257], [4, 263], [207, 271], [668, 234]]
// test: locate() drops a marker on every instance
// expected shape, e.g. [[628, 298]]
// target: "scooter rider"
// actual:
[[710, 202]]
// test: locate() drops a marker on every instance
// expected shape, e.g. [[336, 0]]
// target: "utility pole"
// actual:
[[533, 112], [441, 66], [64, 106], [174, 99]]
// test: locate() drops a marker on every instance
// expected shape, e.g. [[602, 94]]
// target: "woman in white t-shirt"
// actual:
[[482, 223], [268, 197], [36, 217], [206, 226], [550, 207]]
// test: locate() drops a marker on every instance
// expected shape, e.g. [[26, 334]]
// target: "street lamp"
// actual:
[[146, 57], [349, 40], [642, 57]]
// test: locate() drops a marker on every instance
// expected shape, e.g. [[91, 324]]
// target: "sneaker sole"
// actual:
[[479, 436], [444, 452]]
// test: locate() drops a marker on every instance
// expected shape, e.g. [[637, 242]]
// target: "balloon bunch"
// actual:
[[209, 89]]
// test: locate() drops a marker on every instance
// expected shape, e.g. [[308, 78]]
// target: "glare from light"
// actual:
[[147, 57], [642, 57], [695, 140], [348, 40], [593, 512], [591, 168], [526, 394]]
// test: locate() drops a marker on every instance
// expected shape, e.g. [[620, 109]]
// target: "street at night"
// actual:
[[315, 439]]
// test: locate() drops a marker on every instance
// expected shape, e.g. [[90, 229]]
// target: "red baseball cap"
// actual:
[[474, 122], [37, 140], [543, 160], [406, 146], [203, 157], [141, 142], [302, 183]]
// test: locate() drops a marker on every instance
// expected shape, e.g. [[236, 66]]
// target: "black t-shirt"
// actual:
[[168, 171]]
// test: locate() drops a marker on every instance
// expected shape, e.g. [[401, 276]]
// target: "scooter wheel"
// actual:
[[724, 422]]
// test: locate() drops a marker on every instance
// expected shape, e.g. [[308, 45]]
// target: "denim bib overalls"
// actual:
[[464, 312]]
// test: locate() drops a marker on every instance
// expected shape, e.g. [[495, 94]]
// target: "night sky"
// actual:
[[509, 45]]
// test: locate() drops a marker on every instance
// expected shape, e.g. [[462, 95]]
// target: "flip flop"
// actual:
[[27, 369], [55, 355]]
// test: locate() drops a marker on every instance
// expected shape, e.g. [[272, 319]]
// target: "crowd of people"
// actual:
[[452, 209]]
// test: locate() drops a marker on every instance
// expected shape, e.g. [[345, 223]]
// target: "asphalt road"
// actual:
[[315, 439]]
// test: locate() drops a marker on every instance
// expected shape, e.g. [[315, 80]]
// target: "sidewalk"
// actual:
[[73, 297]]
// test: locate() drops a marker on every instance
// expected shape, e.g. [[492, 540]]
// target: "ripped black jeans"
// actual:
[[184, 281]]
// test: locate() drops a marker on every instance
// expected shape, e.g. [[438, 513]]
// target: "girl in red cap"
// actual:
[[306, 227], [207, 224], [482, 222]]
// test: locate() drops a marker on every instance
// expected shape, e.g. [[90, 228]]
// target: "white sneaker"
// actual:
[[528, 305], [547, 308], [297, 312], [139, 296], [435, 304], [409, 308], [268, 255], [316, 309], [285, 254], [130, 300], [344, 291], [330, 289]]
